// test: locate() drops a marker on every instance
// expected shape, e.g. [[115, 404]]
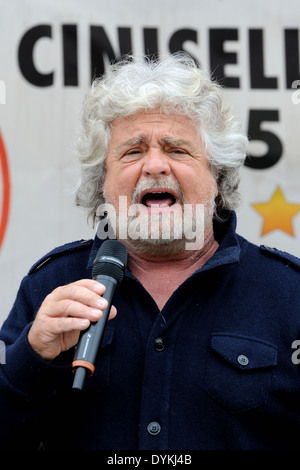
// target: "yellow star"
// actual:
[[277, 213]]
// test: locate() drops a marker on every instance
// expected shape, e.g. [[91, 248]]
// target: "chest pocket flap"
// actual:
[[239, 370]]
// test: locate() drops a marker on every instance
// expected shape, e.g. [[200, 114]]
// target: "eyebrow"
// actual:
[[175, 142], [164, 140], [134, 141]]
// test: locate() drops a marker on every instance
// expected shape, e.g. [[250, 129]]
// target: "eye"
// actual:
[[178, 152], [131, 154], [132, 151]]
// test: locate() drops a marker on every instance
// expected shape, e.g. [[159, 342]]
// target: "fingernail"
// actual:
[[101, 303], [96, 312], [98, 288]]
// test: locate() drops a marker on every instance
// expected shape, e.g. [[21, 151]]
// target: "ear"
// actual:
[[215, 176]]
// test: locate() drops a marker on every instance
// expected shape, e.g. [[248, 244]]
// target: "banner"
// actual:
[[49, 53]]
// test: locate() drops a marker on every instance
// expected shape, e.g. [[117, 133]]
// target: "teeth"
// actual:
[[158, 196]]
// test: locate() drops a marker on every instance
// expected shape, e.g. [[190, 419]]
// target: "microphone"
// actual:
[[108, 268]]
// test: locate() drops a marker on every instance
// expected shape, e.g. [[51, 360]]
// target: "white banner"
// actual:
[[49, 52]]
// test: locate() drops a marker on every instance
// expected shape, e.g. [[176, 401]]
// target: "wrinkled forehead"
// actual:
[[171, 128]]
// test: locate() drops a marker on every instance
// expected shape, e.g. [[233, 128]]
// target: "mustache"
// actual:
[[163, 183]]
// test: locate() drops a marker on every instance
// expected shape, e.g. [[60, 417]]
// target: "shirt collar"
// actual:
[[228, 251]]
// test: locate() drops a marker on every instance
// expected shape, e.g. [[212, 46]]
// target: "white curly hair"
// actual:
[[175, 84]]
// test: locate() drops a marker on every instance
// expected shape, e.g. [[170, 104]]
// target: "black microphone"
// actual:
[[108, 269]]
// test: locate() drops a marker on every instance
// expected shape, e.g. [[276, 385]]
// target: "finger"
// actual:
[[70, 308], [74, 309], [112, 313], [66, 324], [48, 336], [61, 334], [85, 286], [74, 323], [61, 325], [74, 293], [92, 285]]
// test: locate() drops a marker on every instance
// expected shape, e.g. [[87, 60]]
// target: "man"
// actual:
[[200, 353]]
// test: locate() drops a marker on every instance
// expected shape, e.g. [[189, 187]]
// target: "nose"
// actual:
[[156, 163]]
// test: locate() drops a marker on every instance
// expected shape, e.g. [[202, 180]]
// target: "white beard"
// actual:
[[161, 232]]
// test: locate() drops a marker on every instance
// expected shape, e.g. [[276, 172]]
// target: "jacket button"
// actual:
[[159, 344], [243, 360], [153, 428]]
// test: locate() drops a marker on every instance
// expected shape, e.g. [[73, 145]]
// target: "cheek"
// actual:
[[119, 182], [200, 185]]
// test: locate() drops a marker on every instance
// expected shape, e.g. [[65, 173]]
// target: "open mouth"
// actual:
[[158, 198]]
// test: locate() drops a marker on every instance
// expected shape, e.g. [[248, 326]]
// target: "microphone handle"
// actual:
[[90, 339]]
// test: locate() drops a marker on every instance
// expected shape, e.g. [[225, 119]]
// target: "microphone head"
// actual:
[[111, 260]]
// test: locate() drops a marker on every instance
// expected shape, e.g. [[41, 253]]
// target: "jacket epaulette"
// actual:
[[59, 251], [287, 258]]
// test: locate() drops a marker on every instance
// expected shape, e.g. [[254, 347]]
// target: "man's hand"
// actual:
[[63, 314]]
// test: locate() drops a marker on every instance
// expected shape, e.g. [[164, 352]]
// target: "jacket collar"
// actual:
[[229, 249]]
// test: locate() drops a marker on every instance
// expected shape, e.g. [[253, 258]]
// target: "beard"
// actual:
[[164, 230]]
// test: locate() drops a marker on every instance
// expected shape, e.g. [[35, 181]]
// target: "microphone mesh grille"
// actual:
[[114, 267]]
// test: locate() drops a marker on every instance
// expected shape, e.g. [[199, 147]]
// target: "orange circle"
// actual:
[[5, 191]]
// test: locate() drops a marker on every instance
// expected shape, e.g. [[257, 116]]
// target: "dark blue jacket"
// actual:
[[217, 368]]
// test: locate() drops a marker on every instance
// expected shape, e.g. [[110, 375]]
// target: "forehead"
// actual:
[[153, 122]]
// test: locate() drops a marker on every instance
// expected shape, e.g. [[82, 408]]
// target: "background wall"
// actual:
[[49, 52]]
